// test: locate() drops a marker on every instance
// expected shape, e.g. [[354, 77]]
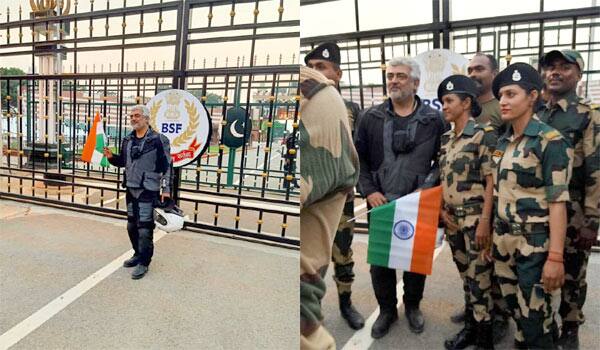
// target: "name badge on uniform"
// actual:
[[497, 155]]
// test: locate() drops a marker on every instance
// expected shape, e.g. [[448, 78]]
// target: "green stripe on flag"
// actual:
[[104, 162], [381, 223], [100, 148]]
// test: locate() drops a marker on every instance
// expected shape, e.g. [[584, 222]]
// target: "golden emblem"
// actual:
[[173, 100], [193, 120]]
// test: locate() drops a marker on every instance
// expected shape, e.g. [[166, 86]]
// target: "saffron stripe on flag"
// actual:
[[90, 143], [429, 207]]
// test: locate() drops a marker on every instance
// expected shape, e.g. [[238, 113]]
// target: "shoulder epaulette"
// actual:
[[551, 134]]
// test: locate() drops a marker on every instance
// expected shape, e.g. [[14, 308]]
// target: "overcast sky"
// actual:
[[328, 18], [376, 14], [286, 47]]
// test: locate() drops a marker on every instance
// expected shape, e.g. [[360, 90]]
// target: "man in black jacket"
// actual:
[[145, 154], [397, 143]]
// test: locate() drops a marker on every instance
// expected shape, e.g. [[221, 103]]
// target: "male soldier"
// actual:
[[483, 68], [396, 142], [579, 123], [146, 156], [329, 172], [326, 59]]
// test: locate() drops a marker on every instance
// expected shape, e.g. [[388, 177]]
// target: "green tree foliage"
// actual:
[[14, 85]]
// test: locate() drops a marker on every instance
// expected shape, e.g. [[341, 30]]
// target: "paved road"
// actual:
[[442, 297], [60, 271]]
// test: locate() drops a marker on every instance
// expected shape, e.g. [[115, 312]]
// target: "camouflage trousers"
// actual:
[[500, 311], [518, 262], [342, 250], [317, 225], [575, 288], [475, 272]]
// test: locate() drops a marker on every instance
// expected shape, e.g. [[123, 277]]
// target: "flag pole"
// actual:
[[359, 215]]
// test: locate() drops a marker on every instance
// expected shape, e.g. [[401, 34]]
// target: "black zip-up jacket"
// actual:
[[151, 169], [419, 166]]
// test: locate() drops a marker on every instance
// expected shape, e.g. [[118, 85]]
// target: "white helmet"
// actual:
[[169, 218]]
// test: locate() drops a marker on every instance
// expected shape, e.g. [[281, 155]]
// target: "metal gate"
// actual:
[[224, 52], [511, 38]]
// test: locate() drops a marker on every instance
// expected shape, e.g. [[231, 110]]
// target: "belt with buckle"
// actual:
[[515, 228], [463, 210]]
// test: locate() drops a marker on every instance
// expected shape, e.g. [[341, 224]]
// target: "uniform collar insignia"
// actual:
[[533, 127], [469, 129], [516, 76], [563, 104]]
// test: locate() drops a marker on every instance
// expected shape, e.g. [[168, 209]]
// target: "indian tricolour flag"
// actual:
[[95, 143], [402, 233]]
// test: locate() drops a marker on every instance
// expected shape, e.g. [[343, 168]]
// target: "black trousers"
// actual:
[[140, 224], [384, 285]]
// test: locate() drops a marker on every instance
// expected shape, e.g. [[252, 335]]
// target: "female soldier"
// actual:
[[532, 166], [466, 178]]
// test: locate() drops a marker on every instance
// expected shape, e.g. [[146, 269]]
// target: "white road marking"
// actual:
[[31, 323], [362, 339]]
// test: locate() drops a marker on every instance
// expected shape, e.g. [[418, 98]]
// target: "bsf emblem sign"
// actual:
[[179, 116], [436, 65]]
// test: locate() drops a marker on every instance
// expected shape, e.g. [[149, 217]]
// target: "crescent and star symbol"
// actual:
[[234, 131]]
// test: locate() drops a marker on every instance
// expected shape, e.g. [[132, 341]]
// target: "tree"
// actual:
[[211, 99], [14, 85]]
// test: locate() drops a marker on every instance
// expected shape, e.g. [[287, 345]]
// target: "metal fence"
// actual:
[[224, 52], [510, 38]]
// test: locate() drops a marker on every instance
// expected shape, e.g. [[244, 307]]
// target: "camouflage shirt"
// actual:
[[465, 161], [490, 113], [529, 172], [353, 112], [329, 160], [579, 123]]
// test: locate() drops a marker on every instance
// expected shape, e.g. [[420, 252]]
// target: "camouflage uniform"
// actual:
[[329, 172], [579, 123], [490, 113], [342, 244], [464, 163], [529, 172]]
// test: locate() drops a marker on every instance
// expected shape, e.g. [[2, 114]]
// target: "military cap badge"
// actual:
[[516, 76], [449, 86], [325, 53]]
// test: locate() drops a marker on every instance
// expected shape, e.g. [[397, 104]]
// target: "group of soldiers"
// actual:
[[521, 192]]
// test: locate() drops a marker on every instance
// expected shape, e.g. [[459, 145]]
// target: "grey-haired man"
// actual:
[[397, 142], [145, 154]]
